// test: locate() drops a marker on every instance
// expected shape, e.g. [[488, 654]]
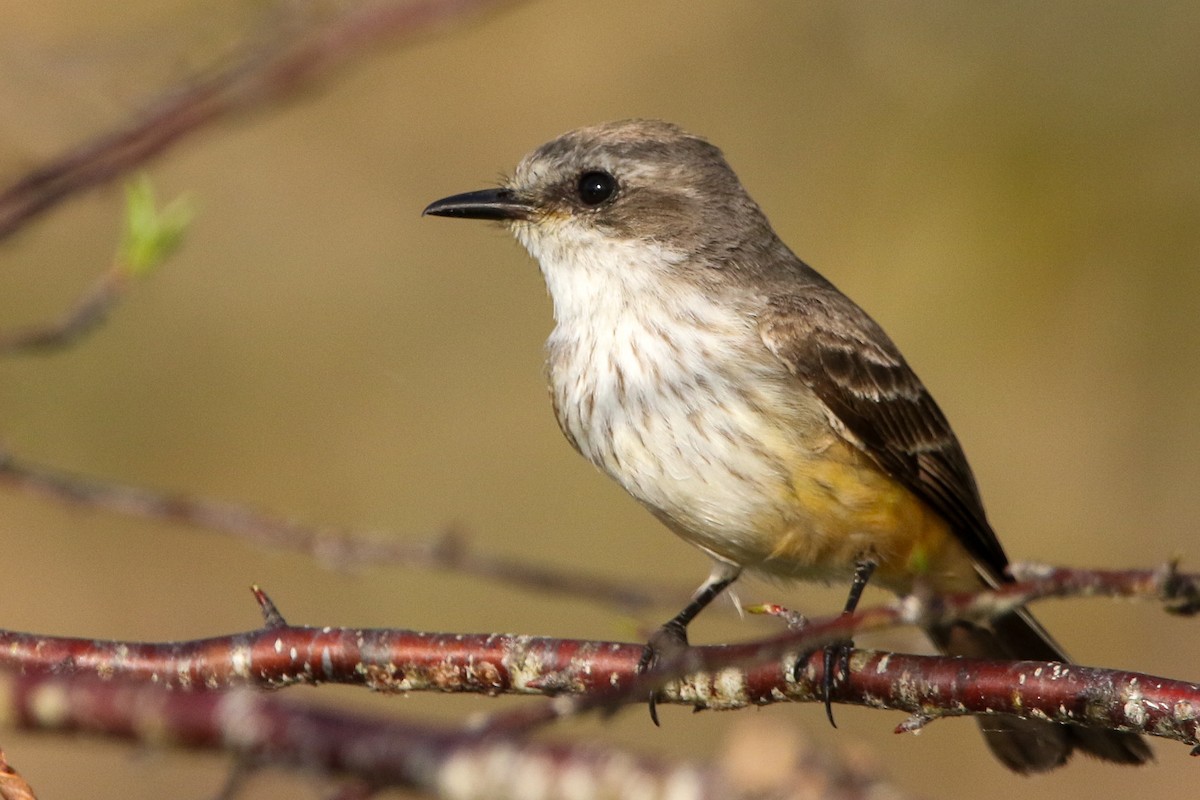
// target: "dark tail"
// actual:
[[1025, 745]]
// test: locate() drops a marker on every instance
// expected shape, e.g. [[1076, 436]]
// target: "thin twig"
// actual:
[[340, 548], [88, 312], [267, 72]]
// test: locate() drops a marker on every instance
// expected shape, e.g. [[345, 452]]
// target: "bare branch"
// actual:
[[87, 312], [376, 753], [935, 687], [700, 670], [336, 547], [267, 72], [151, 235], [1179, 592], [589, 675], [381, 752]]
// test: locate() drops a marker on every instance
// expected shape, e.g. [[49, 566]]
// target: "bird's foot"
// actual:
[[668, 641], [836, 660]]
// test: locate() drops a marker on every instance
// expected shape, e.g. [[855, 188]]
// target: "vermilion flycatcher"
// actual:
[[747, 403]]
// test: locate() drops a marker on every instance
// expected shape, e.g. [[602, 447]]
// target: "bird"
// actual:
[[753, 408]]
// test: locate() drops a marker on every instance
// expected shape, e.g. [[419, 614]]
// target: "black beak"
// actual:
[[497, 204]]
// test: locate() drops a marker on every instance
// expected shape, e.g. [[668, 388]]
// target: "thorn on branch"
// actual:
[[271, 616], [1180, 592], [599, 676], [449, 547], [915, 723]]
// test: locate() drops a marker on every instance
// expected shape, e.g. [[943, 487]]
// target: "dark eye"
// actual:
[[595, 187]]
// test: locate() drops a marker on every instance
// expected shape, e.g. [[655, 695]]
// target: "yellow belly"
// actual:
[[839, 510]]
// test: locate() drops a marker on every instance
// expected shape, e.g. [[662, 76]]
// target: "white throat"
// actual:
[[650, 376]]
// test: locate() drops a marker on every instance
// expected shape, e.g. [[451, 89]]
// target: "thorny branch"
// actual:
[[266, 72], [603, 674], [1174, 714], [373, 753]]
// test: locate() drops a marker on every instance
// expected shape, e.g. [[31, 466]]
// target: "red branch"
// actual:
[[381, 752], [268, 72], [724, 677]]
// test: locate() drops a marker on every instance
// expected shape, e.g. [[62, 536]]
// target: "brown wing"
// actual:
[[834, 348], [846, 359]]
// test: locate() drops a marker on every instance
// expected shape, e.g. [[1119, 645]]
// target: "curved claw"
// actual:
[[652, 705], [836, 659], [830, 678], [837, 655], [837, 667], [645, 664], [670, 638]]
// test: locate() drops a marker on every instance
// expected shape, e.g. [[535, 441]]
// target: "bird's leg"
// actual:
[[672, 637], [837, 655]]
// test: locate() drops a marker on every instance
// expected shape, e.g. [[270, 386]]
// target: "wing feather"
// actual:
[[835, 349]]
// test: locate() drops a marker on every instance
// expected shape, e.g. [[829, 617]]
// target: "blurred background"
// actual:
[[1011, 189]]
